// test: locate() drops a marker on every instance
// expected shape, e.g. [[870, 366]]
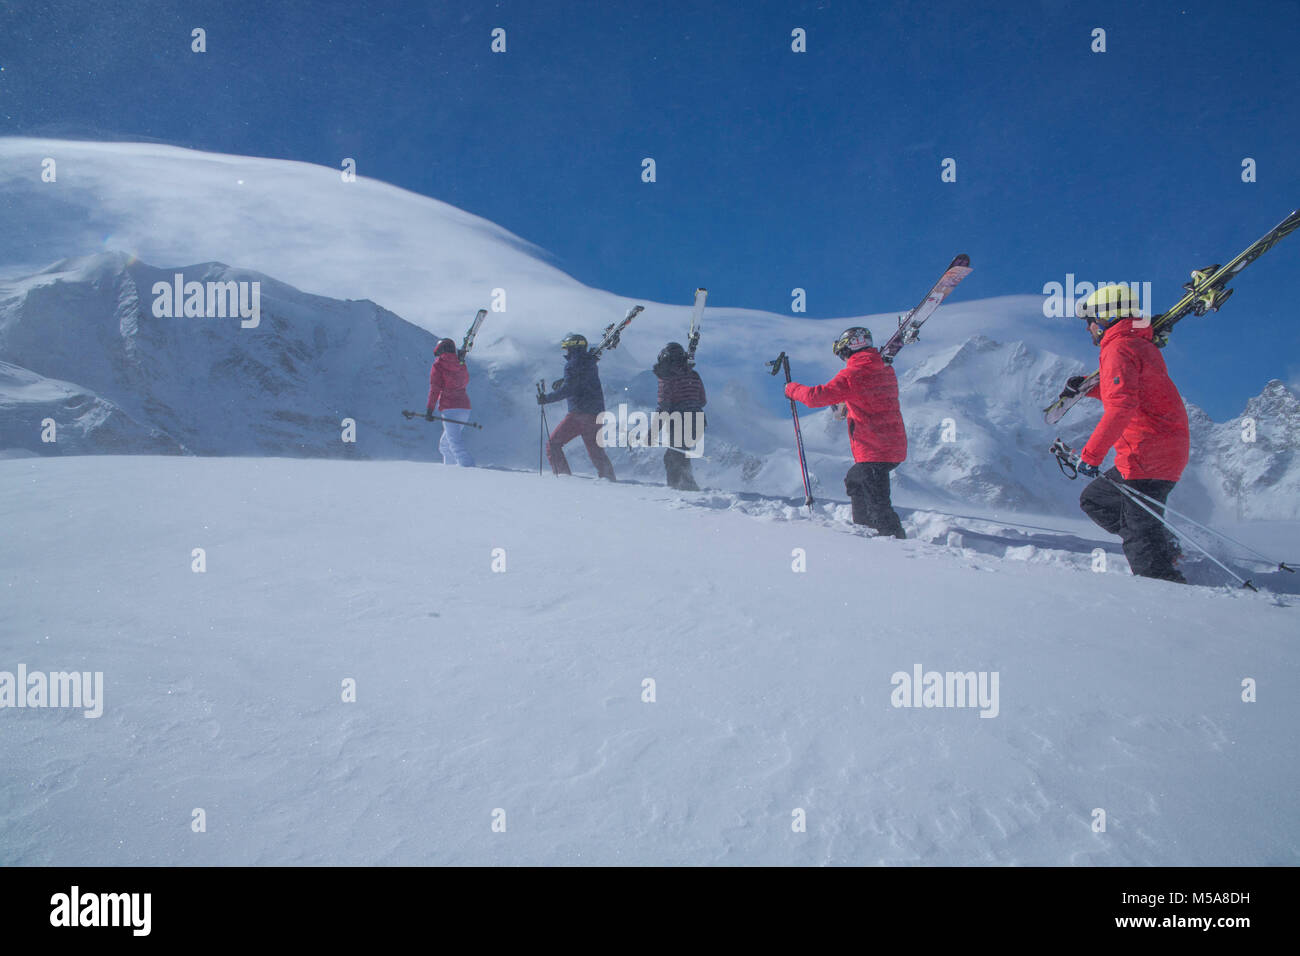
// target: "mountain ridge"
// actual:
[[208, 386]]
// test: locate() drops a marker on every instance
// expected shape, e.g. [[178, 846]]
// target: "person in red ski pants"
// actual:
[[581, 387]]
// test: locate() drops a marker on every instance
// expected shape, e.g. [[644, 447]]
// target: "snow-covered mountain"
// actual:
[[210, 386], [82, 346], [83, 422], [1251, 465]]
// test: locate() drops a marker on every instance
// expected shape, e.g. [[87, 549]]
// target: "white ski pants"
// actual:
[[452, 443]]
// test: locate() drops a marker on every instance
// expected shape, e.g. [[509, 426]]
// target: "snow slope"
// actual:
[[522, 690]]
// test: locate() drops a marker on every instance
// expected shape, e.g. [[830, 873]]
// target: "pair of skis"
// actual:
[[1206, 292], [613, 332], [909, 326], [468, 342]]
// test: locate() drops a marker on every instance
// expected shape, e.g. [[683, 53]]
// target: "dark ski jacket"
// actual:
[[680, 389], [870, 389], [581, 384], [1144, 417]]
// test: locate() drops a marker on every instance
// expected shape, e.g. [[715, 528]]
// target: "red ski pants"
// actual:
[[570, 427]]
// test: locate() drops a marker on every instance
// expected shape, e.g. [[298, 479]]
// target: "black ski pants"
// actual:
[[1150, 549], [677, 466], [868, 486]]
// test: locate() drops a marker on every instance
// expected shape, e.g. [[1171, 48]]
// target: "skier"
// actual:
[[581, 386], [448, 380], [868, 388], [681, 395], [1145, 420]]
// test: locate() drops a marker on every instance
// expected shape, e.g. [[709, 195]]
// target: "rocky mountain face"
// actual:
[[1250, 466], [206, 386]]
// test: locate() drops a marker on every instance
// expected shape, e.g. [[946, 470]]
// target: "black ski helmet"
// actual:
[[672, 354], [444, 346], [574, 341], [851, 340]]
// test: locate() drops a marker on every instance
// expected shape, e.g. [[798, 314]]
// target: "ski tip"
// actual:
[[961, 260]]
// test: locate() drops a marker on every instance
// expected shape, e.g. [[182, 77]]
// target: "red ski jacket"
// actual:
[[1144, 416], [448, 380], [870, 389]]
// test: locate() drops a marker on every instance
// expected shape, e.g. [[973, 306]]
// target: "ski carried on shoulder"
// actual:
[[1206, 292], [614, 331], [697, 316], [468, 342], [909, 325]]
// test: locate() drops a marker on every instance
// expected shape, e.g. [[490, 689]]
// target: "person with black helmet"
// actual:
[[681, 397], [449, 398], [581, 386], [868, 389]]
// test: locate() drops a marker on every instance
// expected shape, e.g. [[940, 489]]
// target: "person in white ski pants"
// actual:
[[449, 399], [452, 443]]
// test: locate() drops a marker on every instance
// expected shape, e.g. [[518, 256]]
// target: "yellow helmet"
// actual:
[[1109, 304]]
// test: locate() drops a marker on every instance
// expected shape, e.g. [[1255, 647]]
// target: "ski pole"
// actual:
[[541, 424], [546, 431], [1281, 565], [782, 361], [1065, 458], [1132, 495], [438, 418]]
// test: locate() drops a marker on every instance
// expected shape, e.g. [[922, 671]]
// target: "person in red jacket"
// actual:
[[1145, 420], [448, 397], [868, 388]]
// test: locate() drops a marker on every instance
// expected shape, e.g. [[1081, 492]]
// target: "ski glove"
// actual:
[[1072, 385], [1087, 470], [541, 398]]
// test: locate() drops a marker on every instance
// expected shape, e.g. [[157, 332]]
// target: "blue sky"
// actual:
[[775, 169]]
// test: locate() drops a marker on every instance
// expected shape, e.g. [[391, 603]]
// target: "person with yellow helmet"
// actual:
[[581, 387], [1144, 420]]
